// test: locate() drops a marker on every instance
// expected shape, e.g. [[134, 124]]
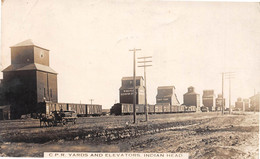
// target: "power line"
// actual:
[[134, 94], [229, 76]]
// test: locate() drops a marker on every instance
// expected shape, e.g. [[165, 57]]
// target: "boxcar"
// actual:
[[72, 107], [80, 109], [158, 108], [62, 106], [175, 109], [93, 110], [182, 108], [126, 109], [50, 107], [191, 109], [151, 109], [166, 108], [139, 109]]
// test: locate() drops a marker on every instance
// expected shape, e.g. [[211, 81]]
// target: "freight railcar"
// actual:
[[158, 109], [127, 109], [191, 109], [151, 109], [93, 110], [80, 109], [175, 109], [162, 108], [182, 109]]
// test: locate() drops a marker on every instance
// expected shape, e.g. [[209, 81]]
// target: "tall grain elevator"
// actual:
[[219, 101], [191, 98], [29, 79], [239, 104], [127, 88], [255, 102], [208, 99], [167, 95]]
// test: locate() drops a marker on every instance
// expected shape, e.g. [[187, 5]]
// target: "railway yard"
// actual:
[[202, 135]]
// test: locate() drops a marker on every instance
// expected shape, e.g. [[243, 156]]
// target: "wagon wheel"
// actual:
[[50, 123], [64, 121]]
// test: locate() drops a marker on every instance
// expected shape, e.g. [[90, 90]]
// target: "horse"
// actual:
[[47, 120]]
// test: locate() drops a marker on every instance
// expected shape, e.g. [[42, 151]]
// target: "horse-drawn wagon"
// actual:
[[58, 117]]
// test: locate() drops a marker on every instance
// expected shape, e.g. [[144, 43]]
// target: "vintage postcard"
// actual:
[[129, 79]]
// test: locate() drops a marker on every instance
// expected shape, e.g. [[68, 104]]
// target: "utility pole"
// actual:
[[134, 81], [229, 95], [145, 93], [91, 101], [254, 102], [222, 93], [229, 75]]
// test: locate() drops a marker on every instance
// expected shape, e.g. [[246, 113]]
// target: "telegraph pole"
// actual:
[[230, 75], [222, 93], [134, 81], [254, 102], [145, 93], [229, 95], [91, 101]]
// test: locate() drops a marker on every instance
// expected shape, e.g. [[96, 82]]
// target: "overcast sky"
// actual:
[[89, 41]]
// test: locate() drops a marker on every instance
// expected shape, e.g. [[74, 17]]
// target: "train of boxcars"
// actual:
[[82, 110], [126, 109]]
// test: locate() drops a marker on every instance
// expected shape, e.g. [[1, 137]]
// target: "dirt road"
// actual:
[[202, 135]]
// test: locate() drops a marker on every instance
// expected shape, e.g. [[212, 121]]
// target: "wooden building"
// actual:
[[29, 79], [239, 104], [191, 98], [219, 101], [208, 99], [127, 88], [167, 95], [255, 102], [247, 104]]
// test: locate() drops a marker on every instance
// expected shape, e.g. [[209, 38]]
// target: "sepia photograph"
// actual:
[[129, 79]]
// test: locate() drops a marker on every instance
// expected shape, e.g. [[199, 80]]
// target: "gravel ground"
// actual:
[[210, 135]]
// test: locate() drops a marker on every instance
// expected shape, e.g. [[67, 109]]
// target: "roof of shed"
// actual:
[[5, 107]]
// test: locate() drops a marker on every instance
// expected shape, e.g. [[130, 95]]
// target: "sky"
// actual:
[[191, 44]]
